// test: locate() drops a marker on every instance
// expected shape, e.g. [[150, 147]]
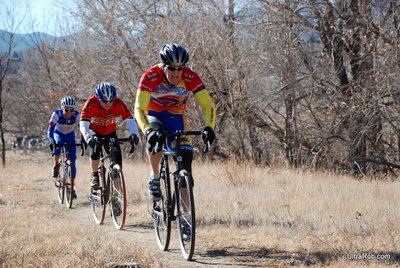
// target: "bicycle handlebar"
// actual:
[[206, 148], [120, 140], [68, 145]]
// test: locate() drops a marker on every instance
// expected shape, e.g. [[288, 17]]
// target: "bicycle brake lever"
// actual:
[[207, 147], [155, 148]]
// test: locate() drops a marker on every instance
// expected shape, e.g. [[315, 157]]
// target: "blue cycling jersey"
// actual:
[[62, 125]]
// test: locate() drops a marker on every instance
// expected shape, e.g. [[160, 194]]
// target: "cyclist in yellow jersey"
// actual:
[[160, 105]]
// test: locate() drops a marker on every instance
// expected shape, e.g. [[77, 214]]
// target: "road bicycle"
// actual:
[[178, 204], [64, 183], [112, 189]]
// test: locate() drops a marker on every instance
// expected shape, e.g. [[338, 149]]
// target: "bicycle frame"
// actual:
[[112, 182], [179, 160], [164, 212], [61, 179], [64, 176], [103, 171]]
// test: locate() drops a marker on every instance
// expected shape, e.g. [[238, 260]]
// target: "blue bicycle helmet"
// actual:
[[68, 102], [106, 92], [174, 54]]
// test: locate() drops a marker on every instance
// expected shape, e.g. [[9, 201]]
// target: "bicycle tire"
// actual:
[[68, 186], [161, 215], [186, 216], [60, 184], [118, 200], [98, 200]]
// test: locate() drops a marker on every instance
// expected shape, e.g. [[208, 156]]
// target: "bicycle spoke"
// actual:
[[60, 189], [118, 197], [161, 217], [98, 206], [68, 186], [98, 202], [186, 222]]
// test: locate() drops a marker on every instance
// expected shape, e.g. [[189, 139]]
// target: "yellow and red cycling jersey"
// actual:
[[104, 122], [157, 96]]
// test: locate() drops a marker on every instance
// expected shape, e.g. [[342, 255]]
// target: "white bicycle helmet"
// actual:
[[68, 102]]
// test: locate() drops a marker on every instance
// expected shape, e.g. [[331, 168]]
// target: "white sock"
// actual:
[[155, 177]]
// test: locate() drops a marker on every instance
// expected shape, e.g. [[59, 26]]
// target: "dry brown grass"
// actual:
[[247, 216]]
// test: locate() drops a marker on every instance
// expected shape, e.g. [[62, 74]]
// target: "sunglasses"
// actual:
[[106, 102], [173, 68], [69, 110]]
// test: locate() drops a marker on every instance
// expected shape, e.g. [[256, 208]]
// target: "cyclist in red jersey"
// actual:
[[99, 118], [161, 103]]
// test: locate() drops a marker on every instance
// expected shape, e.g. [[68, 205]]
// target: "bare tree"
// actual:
[[345, 110], [12, 23]]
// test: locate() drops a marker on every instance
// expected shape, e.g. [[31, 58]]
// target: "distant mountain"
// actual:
[[24, 41]]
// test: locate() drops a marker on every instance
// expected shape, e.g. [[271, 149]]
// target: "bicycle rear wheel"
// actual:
[[68, 186], [98, 200], [118, 197], [186, 217], [161, 216]]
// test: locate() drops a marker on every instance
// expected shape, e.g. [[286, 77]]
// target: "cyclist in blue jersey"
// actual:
[[62, 125]]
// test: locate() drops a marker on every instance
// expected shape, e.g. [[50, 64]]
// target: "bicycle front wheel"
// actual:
[[161, 216], [118, 197], [186, 217], [68, 186], [60, 184]]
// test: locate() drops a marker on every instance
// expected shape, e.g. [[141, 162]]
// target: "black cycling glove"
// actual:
[[92, 141], [208, 135], [154, 137]]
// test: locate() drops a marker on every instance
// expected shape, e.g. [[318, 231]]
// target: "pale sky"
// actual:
[[45, 16], [33, 15]]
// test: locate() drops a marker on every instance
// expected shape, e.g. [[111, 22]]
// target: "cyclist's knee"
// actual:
[[187, 157], [57, 151], [95, 154]]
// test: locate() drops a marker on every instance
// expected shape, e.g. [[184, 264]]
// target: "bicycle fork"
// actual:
[[60, 181], [177, 194], [67, 164], [103, 190]]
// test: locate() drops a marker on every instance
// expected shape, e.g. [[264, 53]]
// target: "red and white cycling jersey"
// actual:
[[102, 121]]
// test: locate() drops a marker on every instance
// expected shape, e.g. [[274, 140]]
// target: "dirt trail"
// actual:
[[37, 231]]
